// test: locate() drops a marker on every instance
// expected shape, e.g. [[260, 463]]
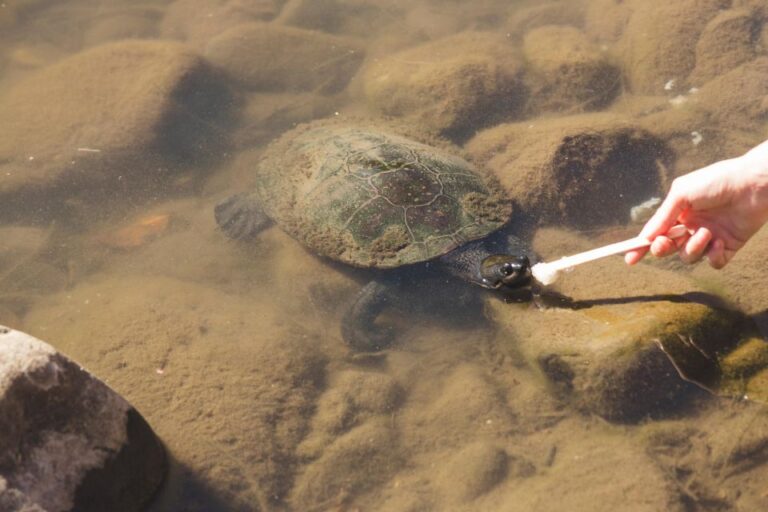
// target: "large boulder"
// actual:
[[712, 123], [583, 171], [67, 441], [266, 114], [694, 140], [605, 20], [659, 42], [567, 72], [270, 57], [745, 111], [112, 119], [197, 21], [450, 86], [323, 15], [628, 344], [728, 40], [558, 12]]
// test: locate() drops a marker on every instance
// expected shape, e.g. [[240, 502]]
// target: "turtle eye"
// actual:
[[507, 269]]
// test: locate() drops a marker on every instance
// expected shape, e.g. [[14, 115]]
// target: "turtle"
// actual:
[[368, 197]]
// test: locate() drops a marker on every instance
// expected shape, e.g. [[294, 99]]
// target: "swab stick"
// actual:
[[547, 273]]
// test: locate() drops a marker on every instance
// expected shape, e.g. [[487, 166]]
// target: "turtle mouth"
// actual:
[[518, 282]]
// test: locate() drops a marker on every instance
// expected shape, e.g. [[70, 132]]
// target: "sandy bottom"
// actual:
[[233, 354]]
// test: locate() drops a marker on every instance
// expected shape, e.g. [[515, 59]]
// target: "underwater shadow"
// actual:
[[761, 321], [552, 299], [185, 491]]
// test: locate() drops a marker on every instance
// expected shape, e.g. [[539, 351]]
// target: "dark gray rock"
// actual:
[[67, 441]]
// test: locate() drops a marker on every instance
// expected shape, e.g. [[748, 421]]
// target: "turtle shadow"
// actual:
[[761, 321]]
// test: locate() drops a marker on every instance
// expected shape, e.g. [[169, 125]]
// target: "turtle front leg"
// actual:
[[358, 326]]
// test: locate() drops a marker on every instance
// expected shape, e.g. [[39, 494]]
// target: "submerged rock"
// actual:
[[567, 72], [323, 15], [727, 41], [113, 119], [745, 370], [659, 42], [67, 441], [695, 141], [266, 114], [582, 171], [612, 360], [269, 57], [605, 20], [736, 100], [558, 12], [630, 342], [197, 21], [450, 86]]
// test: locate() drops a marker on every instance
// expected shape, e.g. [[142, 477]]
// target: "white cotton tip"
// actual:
[[545, 273]]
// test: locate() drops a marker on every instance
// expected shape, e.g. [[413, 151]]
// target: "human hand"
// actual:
[[723, 205]]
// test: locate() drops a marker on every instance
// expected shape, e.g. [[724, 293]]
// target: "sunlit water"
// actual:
[[232, 350]]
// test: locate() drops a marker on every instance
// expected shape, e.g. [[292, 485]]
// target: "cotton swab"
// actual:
[[547, 273]]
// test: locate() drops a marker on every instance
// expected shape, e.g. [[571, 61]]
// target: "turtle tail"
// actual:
[[240, 217]]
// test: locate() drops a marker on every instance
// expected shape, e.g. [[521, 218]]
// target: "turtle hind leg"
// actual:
[[358, 327], [240, 217]]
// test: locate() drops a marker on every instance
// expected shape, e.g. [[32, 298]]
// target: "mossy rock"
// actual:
[[745, 370], [629, 345]]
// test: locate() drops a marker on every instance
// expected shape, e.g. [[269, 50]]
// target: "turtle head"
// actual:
[[505, 270]]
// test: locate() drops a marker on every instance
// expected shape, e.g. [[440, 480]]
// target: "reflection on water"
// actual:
[[122, 126]]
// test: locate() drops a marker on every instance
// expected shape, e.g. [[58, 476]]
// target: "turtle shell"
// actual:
[[372, 198]]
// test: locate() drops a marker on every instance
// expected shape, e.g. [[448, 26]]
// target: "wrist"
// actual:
[[756, 167]]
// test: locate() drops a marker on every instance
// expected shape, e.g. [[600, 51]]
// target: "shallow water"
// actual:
[[113, 161]]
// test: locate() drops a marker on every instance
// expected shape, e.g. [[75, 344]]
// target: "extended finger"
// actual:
[[696, 246], [633, 257]]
